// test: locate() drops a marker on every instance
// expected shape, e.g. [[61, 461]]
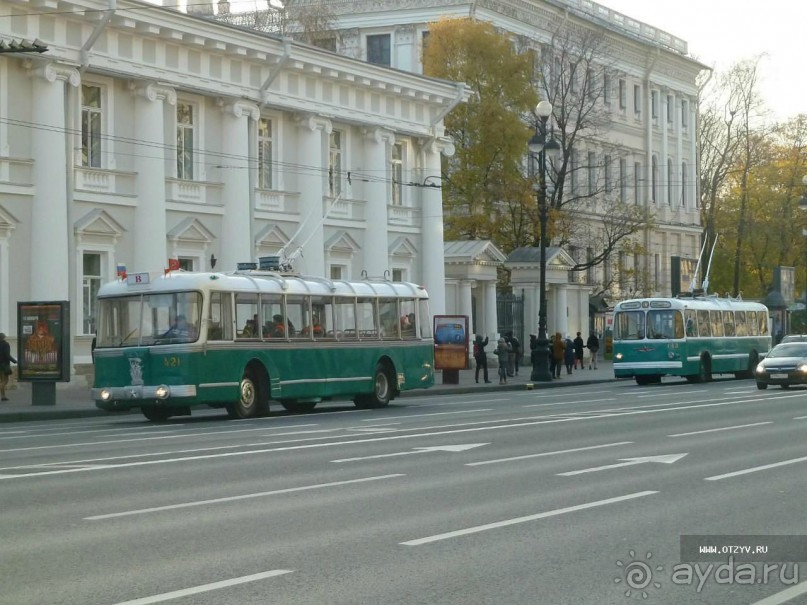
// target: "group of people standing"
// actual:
[[566, 352]]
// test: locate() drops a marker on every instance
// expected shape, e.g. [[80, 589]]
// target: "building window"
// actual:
[[684, 111], [335, 164], [670, 109], [623, 179], [623, 94], [592, 173], [657, 271], [637, 99], [684, 184], [378, 49], [608, 177], [654, 179], [669, 181], [91, 126], [623, 270], [606, 89], [654, 104], [185, 263], [185, 138], [396, 173], [398, 274], [573, 172], [637, 180], [590, 268], [606, 271], [338, 272], [265, 153], [91, 282]]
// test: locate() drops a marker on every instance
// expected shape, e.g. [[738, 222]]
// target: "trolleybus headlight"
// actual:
[[162, 392], [618, 356], [802, 367], [106, 394]]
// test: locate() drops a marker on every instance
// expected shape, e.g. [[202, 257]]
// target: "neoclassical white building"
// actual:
[[649, 146], [145, 133]]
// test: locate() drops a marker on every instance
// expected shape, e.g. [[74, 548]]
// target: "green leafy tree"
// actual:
[[485, 192]]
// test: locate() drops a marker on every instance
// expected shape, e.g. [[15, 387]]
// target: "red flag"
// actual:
[[173, 264]]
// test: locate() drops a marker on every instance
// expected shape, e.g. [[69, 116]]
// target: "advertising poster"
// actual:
[[450, 342], [43, 336]]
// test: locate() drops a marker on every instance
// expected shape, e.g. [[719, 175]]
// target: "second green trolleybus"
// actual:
[[240, 340], [694, 337]]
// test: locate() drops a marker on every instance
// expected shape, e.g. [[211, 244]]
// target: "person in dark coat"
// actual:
[[578, 351], [593, 345], [558, 352], [516, 346], [568, 354], [5, 365], [480, 357]]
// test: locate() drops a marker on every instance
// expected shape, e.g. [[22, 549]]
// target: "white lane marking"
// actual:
[[505, 523], [528, 456], [663, 459], [722, 428], [544, 405], [176, 594], [276, 492], [755, 469], [31, 434], [430, 414], [784, 596], [800, 418], [418, 450], [671, 394], [743, 392]]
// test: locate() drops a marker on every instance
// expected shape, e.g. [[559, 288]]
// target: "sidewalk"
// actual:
[[73, 398]]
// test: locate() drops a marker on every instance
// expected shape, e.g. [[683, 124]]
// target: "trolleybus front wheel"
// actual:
[[156, 414], [252, 398]]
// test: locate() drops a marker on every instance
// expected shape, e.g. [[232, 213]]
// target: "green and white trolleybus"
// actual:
[[694, 336], [240, 340]]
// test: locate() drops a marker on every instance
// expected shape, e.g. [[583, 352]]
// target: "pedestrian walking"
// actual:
[[503, 353], [481, 358], [5, 365], [516, 345], [568, 354], [558, 353], [593, 345], [508, 338], [578, 352]]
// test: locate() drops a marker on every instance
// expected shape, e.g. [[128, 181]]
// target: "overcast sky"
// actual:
[[721, 32]]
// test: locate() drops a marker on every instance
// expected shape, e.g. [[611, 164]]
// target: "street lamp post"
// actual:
[[803, 206], [539, 146]]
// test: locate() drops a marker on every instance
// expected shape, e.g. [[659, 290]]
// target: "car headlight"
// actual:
[[760, 369], [618, 356], [802, 367]]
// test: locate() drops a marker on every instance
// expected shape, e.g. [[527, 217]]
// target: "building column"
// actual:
[[432, 259], [376, 195], [311, 233], [491, 312], [466, 298], [236, 244], [150, 226], [562, 309], [669, 179], [49, 207]]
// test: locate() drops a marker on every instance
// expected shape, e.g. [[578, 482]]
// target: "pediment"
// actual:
[[99, 222], [271, 236], [191, 230], [342, 242], [8, 222], [473, 251], [403, 246]]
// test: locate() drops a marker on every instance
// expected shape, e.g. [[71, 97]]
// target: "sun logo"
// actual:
[[638, 574]]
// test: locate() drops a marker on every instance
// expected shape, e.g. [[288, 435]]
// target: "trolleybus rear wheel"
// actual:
[[382, 390]]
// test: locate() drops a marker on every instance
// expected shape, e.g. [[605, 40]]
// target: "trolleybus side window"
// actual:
[[425, 324], [388, 312], [751, 320], [728, 323], [741, 327], [665, 324], [345, 309], [716, 320], [219, 320], [691, 322], [246, 315], [630, 325], [171, 316], [704, 327], [297, 315], [762, 316], [366, 318], [408, 319], [321, 323]]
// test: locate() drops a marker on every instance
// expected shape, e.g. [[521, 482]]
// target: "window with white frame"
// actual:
[[398, 274], [637, 99], [606, 89], [623, 180], [656, 271], [573, 172], [186, 130], [684, 112], [265, 151], [669, 181], [590, 268], [623, 270], [637, 181], [338, 272], [90, 284], [606, 164], [91, 117], [335, 163], [592, 173], [670, 109], [396, 173], [683, 184], [378, 49], [654, 179], [186, 263], [623, 94], [654, 104]]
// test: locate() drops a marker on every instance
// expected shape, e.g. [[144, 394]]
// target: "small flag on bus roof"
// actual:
[[173, 264]]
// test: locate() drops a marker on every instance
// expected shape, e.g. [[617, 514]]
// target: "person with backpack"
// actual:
[[516, 346], [503, 351], [481, 357]]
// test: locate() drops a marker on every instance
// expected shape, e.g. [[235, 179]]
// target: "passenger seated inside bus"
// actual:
[[408, 325], [249, 329], [278, 328], [315, 328]]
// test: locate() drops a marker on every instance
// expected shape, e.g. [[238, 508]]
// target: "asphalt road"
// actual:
[[576, 495]]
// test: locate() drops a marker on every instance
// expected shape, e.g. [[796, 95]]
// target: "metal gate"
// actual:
[[510, 312]]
